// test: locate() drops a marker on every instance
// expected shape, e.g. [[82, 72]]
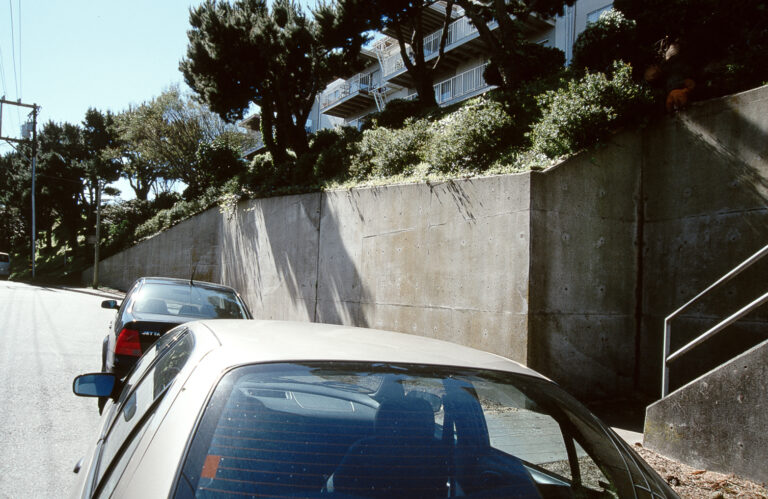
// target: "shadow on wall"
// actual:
[[270, 253], [341, 294], [706, 212]]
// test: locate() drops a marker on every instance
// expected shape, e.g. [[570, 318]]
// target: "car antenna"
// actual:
[[192, 278]]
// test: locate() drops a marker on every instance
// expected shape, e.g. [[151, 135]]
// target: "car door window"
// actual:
[[110, 480], [128, 299], [137, 404], [537, 438], [545, 440]]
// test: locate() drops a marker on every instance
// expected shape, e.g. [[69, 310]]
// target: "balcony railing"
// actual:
[[393, 62], [458, 31], [461, 85], [361, 82]]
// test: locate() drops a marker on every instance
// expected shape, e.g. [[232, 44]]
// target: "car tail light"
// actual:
[[128, 343]]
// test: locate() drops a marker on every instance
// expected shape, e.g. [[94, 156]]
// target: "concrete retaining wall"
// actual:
[[584, 257], [705, 178], [543, 267], [192, 246], [448, 261], [269, 254]]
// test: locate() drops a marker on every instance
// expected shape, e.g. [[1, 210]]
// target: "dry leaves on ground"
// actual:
[[700, 484]]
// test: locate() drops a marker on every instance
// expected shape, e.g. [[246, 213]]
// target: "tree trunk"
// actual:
[[141, 192], [267, 134], [426, 90], [422, 76]]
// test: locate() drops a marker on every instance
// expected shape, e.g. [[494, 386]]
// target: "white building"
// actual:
[[348, 100]]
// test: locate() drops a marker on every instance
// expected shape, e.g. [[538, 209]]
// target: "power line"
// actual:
[[21, 87], [2, 72], [13, 51]]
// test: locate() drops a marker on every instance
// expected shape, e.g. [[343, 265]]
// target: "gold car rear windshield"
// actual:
[[318, 429]]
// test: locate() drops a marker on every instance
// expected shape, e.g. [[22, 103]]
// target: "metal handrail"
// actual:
[[669, 358]]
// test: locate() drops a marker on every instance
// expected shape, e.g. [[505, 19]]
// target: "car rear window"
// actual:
[[4, 258], [186, 300], [374, 430]]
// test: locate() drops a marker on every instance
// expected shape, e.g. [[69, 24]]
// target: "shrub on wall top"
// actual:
[[332, 150], [180, 211], [385, 152], [396, 113], [471, 138], [586, 110]]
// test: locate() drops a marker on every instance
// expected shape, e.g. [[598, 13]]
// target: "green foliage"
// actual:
[[396, 112], [290, 59], [385, 151], [119, 222], [13, 233], [586, 110], [172, 137], [262, 174], [180, 211], [610, 38], [531, 60], [723, 44], [332, 151], [215, 163], [471, 138]]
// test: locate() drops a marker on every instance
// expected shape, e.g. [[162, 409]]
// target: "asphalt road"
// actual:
[[47, 337]]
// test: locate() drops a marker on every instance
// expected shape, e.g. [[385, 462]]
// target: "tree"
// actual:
[[159, 141], [14, 201], [215, 163], [612, 37], [244, 53], [514, 60], [405, 18], [144, 147], [99, 137], [60, 180], [721, 44]]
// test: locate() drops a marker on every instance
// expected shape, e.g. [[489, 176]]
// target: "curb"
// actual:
[[103, 292]]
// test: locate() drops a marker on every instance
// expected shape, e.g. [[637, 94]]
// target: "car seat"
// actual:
[[152, 306], [188, 310], [403, 459]]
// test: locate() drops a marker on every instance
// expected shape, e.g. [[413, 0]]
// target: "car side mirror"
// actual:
[[112, 304], [95, 385]]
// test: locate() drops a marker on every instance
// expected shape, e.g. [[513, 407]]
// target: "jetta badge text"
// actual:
[[151, 333]]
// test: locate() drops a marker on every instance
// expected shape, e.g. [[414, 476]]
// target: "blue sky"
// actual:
[[74, 54]]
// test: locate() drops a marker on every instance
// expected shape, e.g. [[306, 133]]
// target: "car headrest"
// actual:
[[408, 417]]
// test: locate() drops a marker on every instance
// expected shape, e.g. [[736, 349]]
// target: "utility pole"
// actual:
[[35, 108], [98, 236]]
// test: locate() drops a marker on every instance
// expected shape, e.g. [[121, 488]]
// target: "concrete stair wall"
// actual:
[[719, 421]]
